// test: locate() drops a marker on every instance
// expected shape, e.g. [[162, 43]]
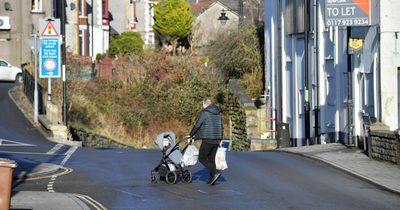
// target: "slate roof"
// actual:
[[202, 5]]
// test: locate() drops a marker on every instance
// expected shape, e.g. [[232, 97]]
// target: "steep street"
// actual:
[[120, 178]]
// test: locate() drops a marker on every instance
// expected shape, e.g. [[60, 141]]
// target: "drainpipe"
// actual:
[[92, 39], [316, 53], [306, 75], [349, 93]]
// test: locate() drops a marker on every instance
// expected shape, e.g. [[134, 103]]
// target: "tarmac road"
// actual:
[[120, 178]]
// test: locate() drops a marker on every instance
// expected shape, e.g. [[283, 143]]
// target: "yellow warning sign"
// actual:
[[49, 30], [355, 45]]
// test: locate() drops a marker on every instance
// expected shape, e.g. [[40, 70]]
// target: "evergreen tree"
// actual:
[[173, 20]]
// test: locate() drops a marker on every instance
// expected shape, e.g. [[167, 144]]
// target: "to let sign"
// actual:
[[50, 48], [347, 12]]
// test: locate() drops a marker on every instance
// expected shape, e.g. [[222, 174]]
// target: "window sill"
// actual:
[[37, 12]]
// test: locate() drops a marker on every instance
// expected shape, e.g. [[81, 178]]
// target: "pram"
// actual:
[[174, 162]]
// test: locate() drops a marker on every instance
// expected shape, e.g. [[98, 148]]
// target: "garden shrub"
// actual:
[[126, 43]]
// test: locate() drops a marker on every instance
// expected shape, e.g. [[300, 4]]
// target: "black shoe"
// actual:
[[215, 178], [210, 178]]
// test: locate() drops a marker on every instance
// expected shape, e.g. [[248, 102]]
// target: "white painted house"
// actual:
[[370, 89]]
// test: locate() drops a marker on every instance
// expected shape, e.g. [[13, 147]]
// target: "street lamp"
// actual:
[[223, 18]]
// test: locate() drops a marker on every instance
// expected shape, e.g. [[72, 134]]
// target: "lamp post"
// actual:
[[223, 18]]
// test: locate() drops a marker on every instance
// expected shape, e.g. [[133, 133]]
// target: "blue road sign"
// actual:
[[50, 58]]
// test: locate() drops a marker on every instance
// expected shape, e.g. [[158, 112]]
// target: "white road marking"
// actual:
[[54, 149], [5, 142], [30, 153], [129, 193], [202, 191], [68, 155]]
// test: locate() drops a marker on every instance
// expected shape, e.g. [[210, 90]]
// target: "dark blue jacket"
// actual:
[[209, 125]]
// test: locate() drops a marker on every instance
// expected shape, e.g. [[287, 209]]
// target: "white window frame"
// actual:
[[81, 42], [36, 5]]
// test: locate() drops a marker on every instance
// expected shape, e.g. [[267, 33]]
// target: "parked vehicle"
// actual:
[[9, 72]]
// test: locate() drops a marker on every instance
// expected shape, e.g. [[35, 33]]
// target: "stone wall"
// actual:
[[385, 145], [94, 140], [238, 131], [248, 124]]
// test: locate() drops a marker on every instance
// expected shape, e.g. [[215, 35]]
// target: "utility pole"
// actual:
[[64, 70], [306, 75]]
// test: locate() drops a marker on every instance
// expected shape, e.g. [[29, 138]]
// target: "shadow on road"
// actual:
[[203, 175]]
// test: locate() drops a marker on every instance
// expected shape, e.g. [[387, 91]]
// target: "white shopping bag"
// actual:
[[190, 156], [220, 159]]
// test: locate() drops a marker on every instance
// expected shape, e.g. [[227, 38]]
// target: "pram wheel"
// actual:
[[186, 176], [154, 177], [171, 177]]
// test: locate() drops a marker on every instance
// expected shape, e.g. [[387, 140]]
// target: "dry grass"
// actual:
[[149, 94]]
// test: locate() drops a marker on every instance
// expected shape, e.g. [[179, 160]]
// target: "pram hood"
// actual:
[[176, 155], [165, 135]]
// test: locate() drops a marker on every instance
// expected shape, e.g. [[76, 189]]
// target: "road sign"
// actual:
[[50, 59], [49, 30], [347, 12], [355, 45]]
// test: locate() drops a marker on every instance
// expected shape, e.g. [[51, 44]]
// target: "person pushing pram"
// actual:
[[209, 129]]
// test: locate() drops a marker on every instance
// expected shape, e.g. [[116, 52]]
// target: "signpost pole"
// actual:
[[49, 89], [64, 71]]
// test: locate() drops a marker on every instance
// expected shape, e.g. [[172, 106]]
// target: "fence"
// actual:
[[29, 90]]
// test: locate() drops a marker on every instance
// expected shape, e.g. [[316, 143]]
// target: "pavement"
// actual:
[[354, 162], [45, 200]]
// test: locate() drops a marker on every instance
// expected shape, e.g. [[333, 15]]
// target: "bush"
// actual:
[[126, 43], [237, 52]]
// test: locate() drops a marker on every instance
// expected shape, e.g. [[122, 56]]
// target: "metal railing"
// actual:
[[29, 90]]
